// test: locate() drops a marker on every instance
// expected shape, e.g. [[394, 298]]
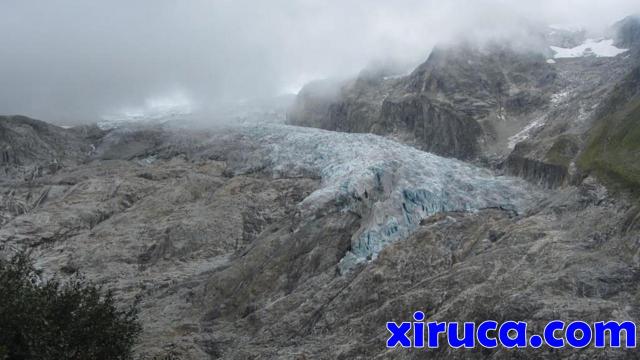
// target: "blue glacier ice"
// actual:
[[390, 185]]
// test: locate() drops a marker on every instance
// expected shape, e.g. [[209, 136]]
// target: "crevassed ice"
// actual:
[[390, 185]]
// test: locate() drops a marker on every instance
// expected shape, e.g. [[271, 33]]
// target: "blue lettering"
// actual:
[[418, 329], [483, 334], [398, 334], [549, 334], [435, 328], [468, 338], [614, 328], [511, 327], [584, 339]]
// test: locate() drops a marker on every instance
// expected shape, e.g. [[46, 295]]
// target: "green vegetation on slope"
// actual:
[[613, 148], [563, 151]]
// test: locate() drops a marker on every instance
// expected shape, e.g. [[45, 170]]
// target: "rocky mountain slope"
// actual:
[[505, 104], [613, 144]]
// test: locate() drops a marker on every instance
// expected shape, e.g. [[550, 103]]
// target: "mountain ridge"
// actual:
[[477, 103]]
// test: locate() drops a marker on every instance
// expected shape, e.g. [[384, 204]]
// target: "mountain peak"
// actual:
[[626, 32]]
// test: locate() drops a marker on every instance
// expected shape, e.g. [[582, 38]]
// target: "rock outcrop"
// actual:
[[26, 141], [627, 32], [449, 105]]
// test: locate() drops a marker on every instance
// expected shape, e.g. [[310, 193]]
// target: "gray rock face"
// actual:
[[437, 126], [545, 174], [313, 103], [565, 38], [31, 149], [627, 32], [26, 142], [448, 105]]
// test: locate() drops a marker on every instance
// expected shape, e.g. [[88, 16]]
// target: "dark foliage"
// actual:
[[55, 320]]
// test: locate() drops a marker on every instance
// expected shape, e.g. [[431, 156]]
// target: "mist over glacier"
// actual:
[[73, 62]]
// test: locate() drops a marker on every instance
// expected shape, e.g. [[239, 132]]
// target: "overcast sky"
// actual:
[[77, 60]]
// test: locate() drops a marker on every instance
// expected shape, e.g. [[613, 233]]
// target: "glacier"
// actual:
[[391, 186], [156, 110]]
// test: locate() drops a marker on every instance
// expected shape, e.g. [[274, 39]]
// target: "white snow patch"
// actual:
[[526, 132], [583, 115], [591, 47], [551, 61], [558, 97], [393, 77], [148, 160]]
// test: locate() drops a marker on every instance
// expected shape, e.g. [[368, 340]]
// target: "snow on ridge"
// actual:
[[390, 185], [525, 133], [591, 47]]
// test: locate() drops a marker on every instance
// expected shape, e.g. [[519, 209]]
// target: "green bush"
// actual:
[[56, 320]]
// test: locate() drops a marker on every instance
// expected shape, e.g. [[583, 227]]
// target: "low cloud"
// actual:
[[77, 61]]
